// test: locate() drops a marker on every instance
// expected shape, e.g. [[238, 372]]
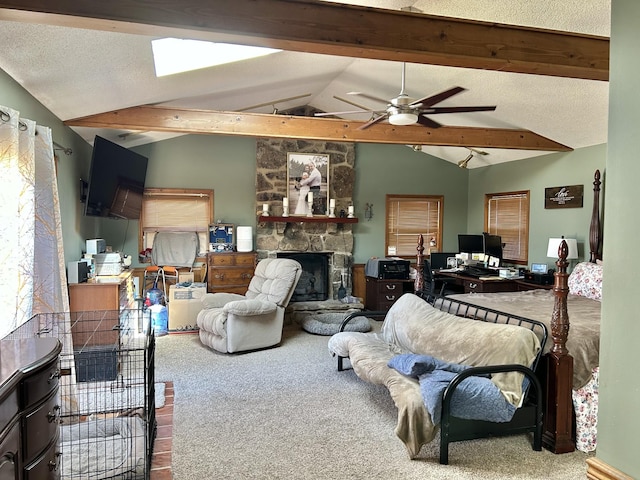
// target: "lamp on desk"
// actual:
[[554, 246]]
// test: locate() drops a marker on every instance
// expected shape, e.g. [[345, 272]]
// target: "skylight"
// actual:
[[175, 55]]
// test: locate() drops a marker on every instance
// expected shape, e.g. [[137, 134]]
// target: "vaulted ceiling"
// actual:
[[544, 65]]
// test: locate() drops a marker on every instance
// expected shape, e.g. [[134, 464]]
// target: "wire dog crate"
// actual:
[[106, 393]]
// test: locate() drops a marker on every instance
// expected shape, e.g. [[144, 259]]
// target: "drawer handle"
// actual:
[[219, 276], [53, 464], [390, 287], [54, 375], [55, 415], [246, 275], [390, 297], [7, 459], [473, 285]]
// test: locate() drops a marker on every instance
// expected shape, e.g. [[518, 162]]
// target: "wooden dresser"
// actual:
[[230, 272], [113, 294], [29, 409], [381, 294]]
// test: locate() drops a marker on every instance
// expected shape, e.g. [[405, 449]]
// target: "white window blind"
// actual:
[[176, 210], [508, 216], [410, 216]]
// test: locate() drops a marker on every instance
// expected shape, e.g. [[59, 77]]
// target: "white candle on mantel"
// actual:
[[265, 207], [332, 203], [310, 197], [351, 210], [285, 202]]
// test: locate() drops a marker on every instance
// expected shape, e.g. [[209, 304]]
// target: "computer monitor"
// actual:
[[493, 245], [438, 260], [470, 243]]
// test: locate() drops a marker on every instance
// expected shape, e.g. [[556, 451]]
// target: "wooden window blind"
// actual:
[[507, 215], [408, 216], [176, 210]]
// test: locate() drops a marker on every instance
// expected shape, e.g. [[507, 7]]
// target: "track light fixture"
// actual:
[[463, 163]]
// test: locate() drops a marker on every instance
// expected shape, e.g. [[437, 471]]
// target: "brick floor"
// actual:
[[161, 460]]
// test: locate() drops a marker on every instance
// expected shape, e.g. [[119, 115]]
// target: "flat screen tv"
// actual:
[[470, 243], [116, 181]]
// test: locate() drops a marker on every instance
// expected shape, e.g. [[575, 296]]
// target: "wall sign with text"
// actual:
[[563, 197]]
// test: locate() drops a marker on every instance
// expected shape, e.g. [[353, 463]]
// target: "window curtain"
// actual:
[[31, 249]]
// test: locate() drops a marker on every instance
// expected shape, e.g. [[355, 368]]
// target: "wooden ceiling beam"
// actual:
[[337, 29], [165, 119]]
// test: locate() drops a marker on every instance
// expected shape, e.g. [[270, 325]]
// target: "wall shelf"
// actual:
[[305, 219]]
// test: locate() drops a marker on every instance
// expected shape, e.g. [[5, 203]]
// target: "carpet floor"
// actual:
[[287, 413]]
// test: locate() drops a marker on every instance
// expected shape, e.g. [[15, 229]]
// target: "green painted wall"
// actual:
[[394, 169], [618, 418], [554, 170]]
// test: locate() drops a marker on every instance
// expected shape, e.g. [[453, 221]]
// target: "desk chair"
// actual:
[[170, 251], [429, 283]]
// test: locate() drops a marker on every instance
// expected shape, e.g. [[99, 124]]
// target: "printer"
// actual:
[[108, 263], [387, 268]]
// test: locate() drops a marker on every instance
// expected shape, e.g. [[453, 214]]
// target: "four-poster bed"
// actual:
[[571, 361]]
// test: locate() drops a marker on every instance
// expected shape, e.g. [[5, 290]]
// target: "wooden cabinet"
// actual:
[[381, 294], [230, 271], [29, 409], [105, 300]]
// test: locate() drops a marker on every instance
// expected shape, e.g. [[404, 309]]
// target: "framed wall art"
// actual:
[[307, 173], [564, 197]]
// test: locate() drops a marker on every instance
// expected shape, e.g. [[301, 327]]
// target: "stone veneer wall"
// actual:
[[292, 236]]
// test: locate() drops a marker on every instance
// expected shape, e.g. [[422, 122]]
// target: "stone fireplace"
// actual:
[[324, 238]]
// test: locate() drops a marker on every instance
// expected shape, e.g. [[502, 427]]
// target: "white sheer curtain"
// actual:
[[33, 278]]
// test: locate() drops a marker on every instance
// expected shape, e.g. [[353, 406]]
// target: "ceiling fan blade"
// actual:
[[370, 97], [352, 103], [433, 110], [348, 112], [373, 121], [281, 100], [437, 98], [427, 122]]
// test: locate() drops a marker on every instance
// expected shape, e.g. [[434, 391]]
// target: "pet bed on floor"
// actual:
[[103, 448], [329, 324]]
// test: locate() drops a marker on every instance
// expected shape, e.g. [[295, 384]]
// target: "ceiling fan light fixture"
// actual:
[[403, 118]]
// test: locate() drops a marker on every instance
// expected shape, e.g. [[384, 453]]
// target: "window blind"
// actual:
[[408, 217], [508, 216]]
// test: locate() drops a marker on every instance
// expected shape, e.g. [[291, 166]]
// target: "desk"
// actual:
[[477, 285]]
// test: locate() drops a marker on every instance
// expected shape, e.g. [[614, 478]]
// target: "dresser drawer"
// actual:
[[494, 286], [390, 289], [40, 426], [46, 466], [231, 259], [39, 385], [228, 276]]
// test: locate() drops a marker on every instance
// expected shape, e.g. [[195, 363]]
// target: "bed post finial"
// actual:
[[418, 285], [558, 419], [595, 230]]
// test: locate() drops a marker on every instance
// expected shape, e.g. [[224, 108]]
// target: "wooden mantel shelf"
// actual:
[[302, 218]]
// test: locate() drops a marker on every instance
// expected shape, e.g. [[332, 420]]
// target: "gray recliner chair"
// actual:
[[231, 323]]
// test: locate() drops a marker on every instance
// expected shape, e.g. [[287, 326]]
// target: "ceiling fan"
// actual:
[[404, 110]]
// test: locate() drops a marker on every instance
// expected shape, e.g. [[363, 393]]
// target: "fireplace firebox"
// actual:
[[314, 281]]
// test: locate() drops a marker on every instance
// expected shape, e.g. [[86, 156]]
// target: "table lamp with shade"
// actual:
[[554, 246]]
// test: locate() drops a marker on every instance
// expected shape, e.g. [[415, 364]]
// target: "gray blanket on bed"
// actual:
[[583, 342]]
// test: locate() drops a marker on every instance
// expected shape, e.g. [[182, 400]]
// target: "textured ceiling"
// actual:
[[76, 72]]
